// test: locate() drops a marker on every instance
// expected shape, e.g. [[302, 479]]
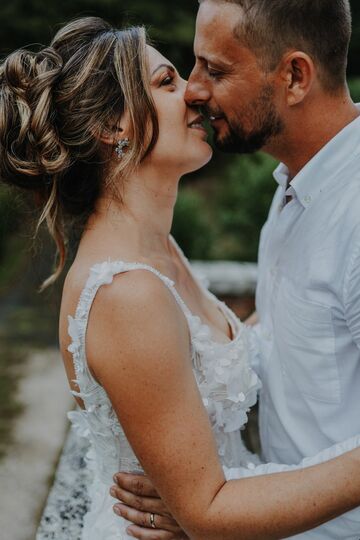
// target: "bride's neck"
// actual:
[[145, 214]]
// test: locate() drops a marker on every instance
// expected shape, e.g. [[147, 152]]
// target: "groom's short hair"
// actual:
[[320, 28]]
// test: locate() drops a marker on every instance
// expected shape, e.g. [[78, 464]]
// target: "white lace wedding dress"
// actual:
[[227, 384]]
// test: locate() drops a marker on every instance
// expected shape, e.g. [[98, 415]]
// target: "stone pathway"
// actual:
[[27, 472]]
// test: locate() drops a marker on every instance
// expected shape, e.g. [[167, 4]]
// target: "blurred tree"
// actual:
[[233, 213], [193, 227], [9, 217], [354, 86], [171, 24], [33, 22], [354, 53], [243, 200]]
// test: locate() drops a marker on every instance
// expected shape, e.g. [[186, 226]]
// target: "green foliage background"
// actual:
[[221, 209]]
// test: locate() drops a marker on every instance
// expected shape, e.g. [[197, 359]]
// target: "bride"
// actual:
[[96, 126]]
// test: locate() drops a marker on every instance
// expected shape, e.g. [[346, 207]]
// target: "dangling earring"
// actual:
[[120, 145]]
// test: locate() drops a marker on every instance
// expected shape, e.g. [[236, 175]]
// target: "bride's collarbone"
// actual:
[[197, 301]]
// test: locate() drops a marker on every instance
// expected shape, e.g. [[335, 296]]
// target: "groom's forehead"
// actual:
[[215, 15], [216, 26], [215, 37]]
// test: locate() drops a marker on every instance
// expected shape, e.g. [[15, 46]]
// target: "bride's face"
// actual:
[[181, 145]]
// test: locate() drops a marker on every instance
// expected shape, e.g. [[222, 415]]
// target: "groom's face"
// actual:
[[229, 84]]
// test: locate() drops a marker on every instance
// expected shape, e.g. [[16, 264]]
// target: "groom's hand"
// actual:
[[139, 502]]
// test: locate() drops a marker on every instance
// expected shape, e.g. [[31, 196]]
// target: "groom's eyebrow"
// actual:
[[215, 61], [168, 66]]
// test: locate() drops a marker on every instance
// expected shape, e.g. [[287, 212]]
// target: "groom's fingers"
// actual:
[[146, 534], [143, 519], [144, 504], [136, 484]]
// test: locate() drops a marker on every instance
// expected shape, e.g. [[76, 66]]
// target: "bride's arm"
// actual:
[[138, 348], [140, 498]]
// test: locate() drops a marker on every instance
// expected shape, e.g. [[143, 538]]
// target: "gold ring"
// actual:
[[152, 521]]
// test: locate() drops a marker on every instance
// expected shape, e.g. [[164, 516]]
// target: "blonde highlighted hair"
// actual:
[[53, 106]]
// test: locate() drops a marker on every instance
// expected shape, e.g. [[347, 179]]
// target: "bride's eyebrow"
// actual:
[[168, 66]]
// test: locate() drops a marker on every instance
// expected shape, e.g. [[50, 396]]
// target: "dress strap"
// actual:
[[103, 274]]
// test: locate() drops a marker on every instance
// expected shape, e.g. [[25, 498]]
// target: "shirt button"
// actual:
[[251, 466], [307, 199]]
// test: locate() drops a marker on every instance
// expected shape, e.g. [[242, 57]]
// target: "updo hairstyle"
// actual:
[[53, 106]]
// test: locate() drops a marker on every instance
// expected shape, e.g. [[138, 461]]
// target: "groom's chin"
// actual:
[[224, 143], [231, 144]]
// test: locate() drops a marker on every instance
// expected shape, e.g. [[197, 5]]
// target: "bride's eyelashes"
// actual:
[[168, 80]]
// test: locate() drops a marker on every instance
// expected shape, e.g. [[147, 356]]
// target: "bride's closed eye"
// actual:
[[168, 80]]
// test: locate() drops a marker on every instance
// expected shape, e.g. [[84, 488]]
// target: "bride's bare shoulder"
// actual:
[[135, 293], [134, 316]]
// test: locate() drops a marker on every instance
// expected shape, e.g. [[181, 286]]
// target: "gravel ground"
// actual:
[[27, 470]]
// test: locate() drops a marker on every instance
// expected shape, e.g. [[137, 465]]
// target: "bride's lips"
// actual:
[[197, 123]]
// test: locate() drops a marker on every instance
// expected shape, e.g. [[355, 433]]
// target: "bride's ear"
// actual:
[[114, 130]]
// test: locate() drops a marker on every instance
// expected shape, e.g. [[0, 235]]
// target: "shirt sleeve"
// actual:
[[346, 526], [352, 293]]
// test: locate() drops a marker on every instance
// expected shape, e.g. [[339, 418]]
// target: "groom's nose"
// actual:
[[197, 91]]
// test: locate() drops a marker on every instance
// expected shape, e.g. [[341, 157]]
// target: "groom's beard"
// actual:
[[262, 115]]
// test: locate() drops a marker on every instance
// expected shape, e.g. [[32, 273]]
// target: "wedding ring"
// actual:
[[152, 521]]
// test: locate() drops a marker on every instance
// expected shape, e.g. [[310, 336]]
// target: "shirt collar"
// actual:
[[325, 165], [281, 175]]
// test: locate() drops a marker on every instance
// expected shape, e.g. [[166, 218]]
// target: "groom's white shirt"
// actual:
[[308, 301]]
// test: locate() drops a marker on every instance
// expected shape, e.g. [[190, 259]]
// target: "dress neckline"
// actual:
[[230, 317]]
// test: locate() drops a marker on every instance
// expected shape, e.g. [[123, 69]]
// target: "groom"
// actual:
[[271, 75]]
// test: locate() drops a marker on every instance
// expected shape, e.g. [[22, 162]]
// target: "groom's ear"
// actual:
[[298, 73]]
